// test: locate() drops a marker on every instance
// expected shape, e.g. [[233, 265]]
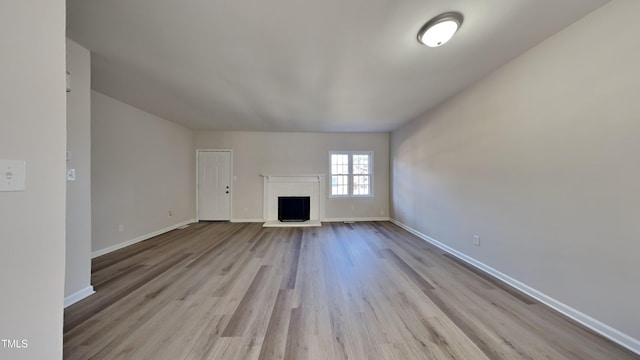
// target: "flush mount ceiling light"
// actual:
[[437, 31]]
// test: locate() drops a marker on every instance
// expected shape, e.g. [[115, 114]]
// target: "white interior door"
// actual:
[[214, 185]]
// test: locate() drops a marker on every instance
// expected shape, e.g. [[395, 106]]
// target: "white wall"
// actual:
[[33, 128], [541, 160], [256, 153], [78, 228], [142, 168]]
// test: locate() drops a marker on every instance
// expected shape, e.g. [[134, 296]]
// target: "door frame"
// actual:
[[231, 180]]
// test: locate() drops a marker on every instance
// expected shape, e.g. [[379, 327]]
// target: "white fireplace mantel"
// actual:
[[276, 185]]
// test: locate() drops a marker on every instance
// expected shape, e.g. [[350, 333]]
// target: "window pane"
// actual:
[[361, 185], [339, 164], [361, 164], [339, 185]]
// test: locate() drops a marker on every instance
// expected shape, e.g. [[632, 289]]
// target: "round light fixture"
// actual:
[[437, 31]]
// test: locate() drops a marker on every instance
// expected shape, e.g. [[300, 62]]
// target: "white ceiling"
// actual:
[[301, 65]]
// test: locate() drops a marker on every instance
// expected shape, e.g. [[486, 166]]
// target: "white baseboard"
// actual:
[[74, 298], [356, 219], [139, 238], [599, 327], [247, 220]]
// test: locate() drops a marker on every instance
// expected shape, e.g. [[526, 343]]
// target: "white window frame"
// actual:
[[350, 175]]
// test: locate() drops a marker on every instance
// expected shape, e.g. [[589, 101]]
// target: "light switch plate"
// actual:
[[71, 175], [12, 175]]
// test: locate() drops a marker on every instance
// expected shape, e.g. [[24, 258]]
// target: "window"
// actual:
[[351, 173]]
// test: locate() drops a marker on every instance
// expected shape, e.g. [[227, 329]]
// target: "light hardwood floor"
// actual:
[[340, 291]]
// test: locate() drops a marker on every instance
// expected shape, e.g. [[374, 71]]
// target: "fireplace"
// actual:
[[294, 208], [309, 186]]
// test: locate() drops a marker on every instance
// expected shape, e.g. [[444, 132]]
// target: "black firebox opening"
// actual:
[[294, 208]]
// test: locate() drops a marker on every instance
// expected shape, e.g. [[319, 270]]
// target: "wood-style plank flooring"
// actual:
[[340, 291]]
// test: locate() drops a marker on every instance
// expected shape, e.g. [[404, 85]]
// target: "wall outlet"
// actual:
[[476, 240], [12, 175], [120, 227], [170, 213]]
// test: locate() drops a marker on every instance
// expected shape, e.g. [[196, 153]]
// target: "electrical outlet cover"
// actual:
[[13, 175]]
